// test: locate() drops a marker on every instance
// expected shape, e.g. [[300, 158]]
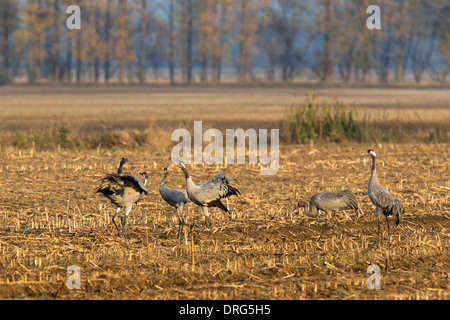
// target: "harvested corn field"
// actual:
[[52, 218]]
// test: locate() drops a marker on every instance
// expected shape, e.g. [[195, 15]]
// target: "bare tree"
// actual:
[[441, 67], [279, 36], [8, 23], [323, 31], [123, 50], [186, 32], [142, 45], [172, 42]]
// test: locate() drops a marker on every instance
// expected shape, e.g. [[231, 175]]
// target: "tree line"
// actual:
[[210, 41]]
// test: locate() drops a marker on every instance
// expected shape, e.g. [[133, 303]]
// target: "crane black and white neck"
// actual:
[[208, 194], [384, 201], [122, 162], [176, 198], [329, 202], [124, 191]]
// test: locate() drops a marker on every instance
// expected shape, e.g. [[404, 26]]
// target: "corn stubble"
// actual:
[[51, 218]]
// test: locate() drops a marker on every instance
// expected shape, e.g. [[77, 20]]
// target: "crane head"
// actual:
[[123, 160], [166, 170], [371, 153], [302, 203], [144, 175]]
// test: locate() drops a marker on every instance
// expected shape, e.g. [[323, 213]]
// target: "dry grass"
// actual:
[[51, 218], [119, 116]]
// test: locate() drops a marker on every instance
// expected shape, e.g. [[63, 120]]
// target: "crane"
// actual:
[[124, 191], [175, 198], [384, 201], [209, 193], [329, 202]]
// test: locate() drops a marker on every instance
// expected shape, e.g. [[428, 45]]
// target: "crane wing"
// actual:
[[381, 197], [110, 184], [349, 198], [135, 183], [174, 197], [215, 190]]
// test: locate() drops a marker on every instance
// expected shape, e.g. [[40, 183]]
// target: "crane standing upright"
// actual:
[[384, 201], [209, 193], [124, 191], [176, 198]]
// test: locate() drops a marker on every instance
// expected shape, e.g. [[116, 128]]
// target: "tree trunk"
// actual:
[[189, 40], [242, 59], [327, 68], [79, 62], [107, 39], [69, 59], [142, 51], [57, 39], [171, 43]]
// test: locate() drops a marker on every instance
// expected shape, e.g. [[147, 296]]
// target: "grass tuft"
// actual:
[[324, 121]]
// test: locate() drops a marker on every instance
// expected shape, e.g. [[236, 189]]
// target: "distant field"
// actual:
[[91, 108]]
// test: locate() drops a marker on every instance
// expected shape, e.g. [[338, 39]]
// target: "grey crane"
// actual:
[[175, 198], [329, 202], [124, 191], [384, 201], [209, 193]]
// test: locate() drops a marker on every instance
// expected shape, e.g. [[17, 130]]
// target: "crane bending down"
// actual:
[[124, 191], [383, 200], [209, 193], [329, 202], [175, 198]]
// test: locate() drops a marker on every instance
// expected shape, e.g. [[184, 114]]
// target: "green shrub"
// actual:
[[314, 120]]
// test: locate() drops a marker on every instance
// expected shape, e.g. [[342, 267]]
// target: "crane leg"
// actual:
[[114, 219], [332, 222], [330, 215], [182, 225], [389, 235], [180, 222], [124, 222], [323, 229], [378, 218], [207, 220]]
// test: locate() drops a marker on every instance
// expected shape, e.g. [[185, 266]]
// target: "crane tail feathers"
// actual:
[[397, 211], [233, 191]]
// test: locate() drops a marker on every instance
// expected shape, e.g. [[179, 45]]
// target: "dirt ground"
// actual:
[[52, 218]]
